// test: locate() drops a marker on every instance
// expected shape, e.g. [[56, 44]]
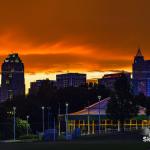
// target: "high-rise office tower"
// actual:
[[12, 81], [141, 74]]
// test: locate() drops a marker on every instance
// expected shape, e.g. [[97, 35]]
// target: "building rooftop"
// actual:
[[116, 75], [68, 74], [13, 58]]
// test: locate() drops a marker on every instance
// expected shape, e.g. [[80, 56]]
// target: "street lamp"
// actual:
[[27, 125], [99, 129], [88, 118], [67, 120], [59, 119], [43, 118], [14, 109]]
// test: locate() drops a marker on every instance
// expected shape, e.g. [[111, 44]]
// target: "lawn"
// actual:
[[76, 146], [104, 142]]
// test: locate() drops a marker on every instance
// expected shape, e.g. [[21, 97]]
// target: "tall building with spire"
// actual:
[[141, 74], [12, 81]]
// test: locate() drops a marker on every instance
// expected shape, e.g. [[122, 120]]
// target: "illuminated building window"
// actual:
[[7, 81], [10, 75], [6, 60], [17, 61], [10, 94]]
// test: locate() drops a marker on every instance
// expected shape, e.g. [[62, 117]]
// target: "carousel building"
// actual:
[[94, 119]]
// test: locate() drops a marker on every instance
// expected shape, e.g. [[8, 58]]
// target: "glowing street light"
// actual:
[[67, 120], [43, 125], [27, 125]]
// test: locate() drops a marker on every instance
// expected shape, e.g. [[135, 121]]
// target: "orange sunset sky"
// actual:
[[90, 36]]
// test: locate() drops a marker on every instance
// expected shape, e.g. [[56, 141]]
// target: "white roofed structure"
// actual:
[[94, 108]]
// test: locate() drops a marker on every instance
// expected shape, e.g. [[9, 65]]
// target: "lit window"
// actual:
[[12, 70], [10, 94], [7, 81], [6, 60], [17, 61], [10, 75]]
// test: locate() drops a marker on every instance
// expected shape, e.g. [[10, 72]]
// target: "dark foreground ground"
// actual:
[[105, 142], [75, 146]]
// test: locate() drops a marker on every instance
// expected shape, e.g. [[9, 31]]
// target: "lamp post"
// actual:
[[99, 129], [27, 125], [59, 119], [88, 118], [14, 109], [67, 120], [43, 126]]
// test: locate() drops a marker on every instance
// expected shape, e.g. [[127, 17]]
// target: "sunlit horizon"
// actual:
[[75, 36]]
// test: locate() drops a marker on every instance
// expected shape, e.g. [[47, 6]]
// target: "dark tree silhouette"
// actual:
[[122, 105], [50, 96], [148, 107], [141, 100]]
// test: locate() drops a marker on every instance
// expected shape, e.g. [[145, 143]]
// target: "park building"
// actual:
[[141, 74], [12, 80], [70, 80], [94, 119]]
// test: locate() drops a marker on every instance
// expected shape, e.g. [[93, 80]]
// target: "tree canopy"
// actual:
[[123, 105]]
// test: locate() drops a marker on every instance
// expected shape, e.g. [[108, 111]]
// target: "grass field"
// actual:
[[76, 146], [103, 142]]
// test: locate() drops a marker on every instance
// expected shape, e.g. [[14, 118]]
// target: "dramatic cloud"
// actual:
[[77, 35]]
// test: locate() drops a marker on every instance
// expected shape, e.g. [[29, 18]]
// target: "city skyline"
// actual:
[[74, 74], [54, 75], [32, 77], [93, 37]]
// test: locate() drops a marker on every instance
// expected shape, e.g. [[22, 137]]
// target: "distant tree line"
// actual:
[[51, 98], [123, 104]]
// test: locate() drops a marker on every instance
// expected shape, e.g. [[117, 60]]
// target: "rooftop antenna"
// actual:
[[139, 53], [139, 49]]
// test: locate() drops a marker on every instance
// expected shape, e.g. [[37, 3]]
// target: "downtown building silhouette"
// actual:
[[12, 80], [108, 80], [36, 85], [141, 74], [70, 80]]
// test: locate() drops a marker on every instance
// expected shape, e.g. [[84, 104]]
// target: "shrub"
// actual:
[[30, 136]]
